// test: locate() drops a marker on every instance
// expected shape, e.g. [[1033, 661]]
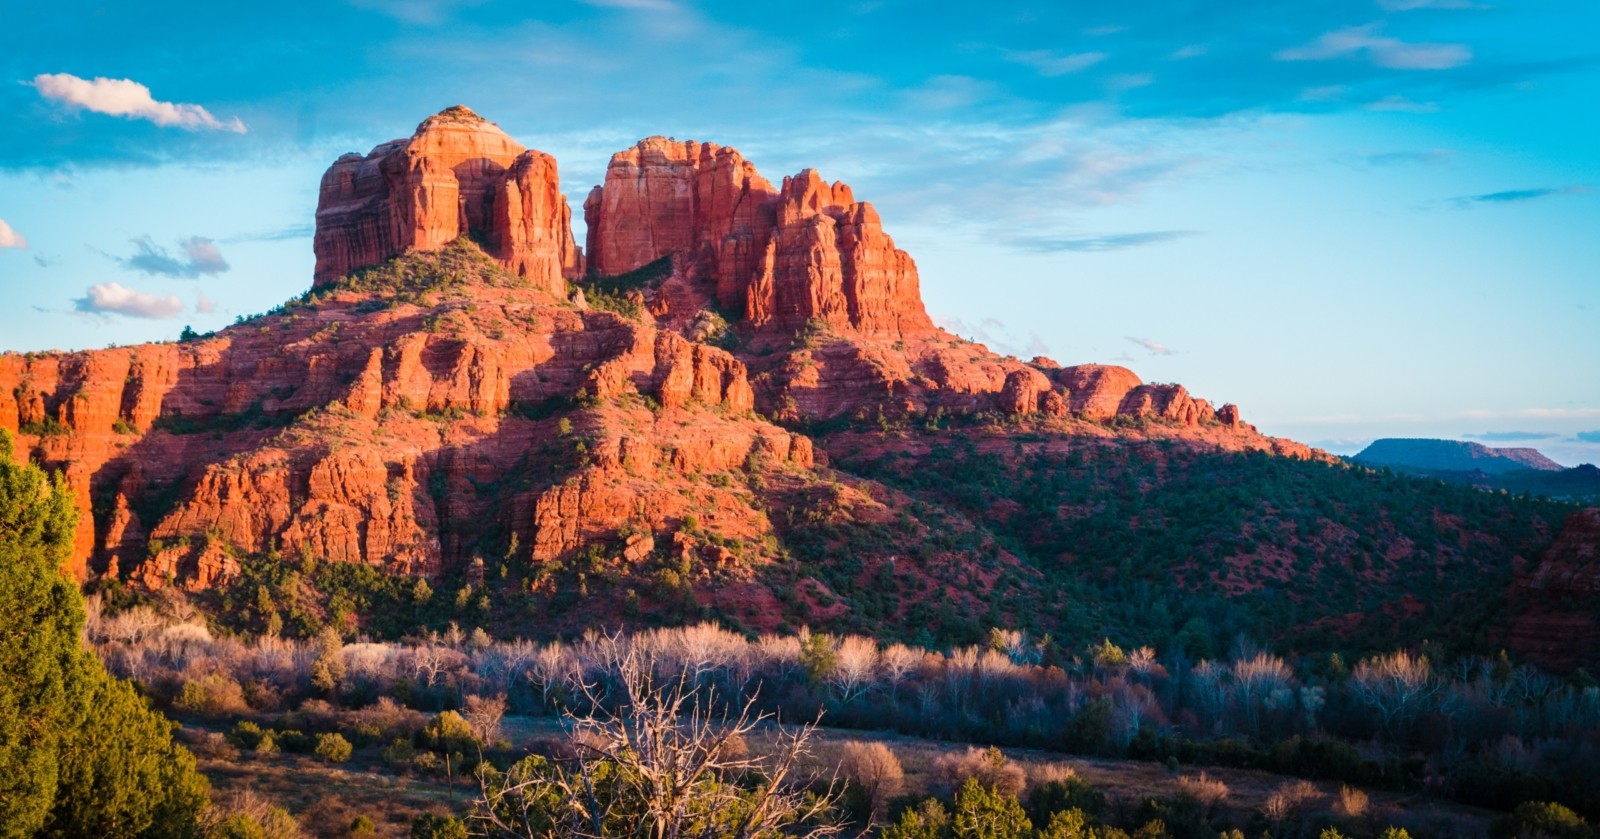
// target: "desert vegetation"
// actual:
[[1479, 730]]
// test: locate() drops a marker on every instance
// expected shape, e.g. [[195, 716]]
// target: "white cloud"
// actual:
[[10, 238], [203, 255], [1155, 347], [112, 298], [202, 258], [1050, 64], [1402, 105], [1409, 5], [1392, 53], [128, 98], [204, 305], [639, 5]]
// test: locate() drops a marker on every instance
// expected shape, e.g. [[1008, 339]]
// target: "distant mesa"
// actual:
[[1452, 456]]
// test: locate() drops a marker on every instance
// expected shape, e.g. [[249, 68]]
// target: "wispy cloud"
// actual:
[[128, 98], [1588, 436], [427, 12], [1383, 51], [1511, 436], [293, 231], [115, 299], [996, 335], [1155, 347], [1533, 413], [1400, 104], [1094, 244], [1409, 5], [1403, 158], [10, 238], [1514, 196], [1047, 63], [639, 5], [203, 304], [200, 257]]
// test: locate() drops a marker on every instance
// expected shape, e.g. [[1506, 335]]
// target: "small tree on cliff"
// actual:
[[80, 753]]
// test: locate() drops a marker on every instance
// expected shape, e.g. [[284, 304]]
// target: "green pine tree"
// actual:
[[80, 752]]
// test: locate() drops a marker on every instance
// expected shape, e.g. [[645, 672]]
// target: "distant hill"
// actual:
[[1453, 456], [1520, 470]]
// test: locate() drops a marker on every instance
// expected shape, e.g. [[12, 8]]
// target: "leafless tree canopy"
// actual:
[[660, 756]]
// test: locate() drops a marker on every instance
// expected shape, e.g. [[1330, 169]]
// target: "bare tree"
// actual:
[[1396, 687], [656, 758], [853, 666]]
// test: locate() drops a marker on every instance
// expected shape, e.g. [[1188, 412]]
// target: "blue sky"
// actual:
[[1354, 218]]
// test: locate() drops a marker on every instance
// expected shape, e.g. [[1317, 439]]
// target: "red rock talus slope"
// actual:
[[419, 412], [1556, 602], [458, 175]]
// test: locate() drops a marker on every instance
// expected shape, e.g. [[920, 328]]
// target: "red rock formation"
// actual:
[[700, 200], [1096, 391], [806, 252], [398, 435], [1556, 601], [1165, 402], [458, 175]]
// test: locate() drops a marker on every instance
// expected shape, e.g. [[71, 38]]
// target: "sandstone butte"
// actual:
[[413, 427]]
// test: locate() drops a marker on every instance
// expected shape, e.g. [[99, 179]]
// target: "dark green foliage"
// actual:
[[983, 813], [333, 748], [1071, 794], [611, 293], [39, 652], [80, 753], [1542, 820], [1142, 541], [411, 277], [436, 826]]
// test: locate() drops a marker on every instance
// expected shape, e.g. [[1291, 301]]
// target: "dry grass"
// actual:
[[326, 798], [317, 792]]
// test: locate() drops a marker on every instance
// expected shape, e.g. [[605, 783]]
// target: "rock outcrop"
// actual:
[[458, 175], [806, 252], [1555, 602], [379, 425]]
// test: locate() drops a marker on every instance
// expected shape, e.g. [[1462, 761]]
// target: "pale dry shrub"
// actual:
[[483, 714], [213, 745], [212, 696], [1040, 774], [1290, 800], [389, 718], [875, 767], [1206, 791], [245, 813], [1353, 803], [734, 747], [990, 767]]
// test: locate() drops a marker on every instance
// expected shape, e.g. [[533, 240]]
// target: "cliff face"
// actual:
[[805, 252], [1556, 601], [414, 427], [459, 175]]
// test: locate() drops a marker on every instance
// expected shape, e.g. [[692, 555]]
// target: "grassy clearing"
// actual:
[[325, 798]]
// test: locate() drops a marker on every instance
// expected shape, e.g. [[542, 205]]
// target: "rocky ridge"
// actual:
[[444, 393]]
